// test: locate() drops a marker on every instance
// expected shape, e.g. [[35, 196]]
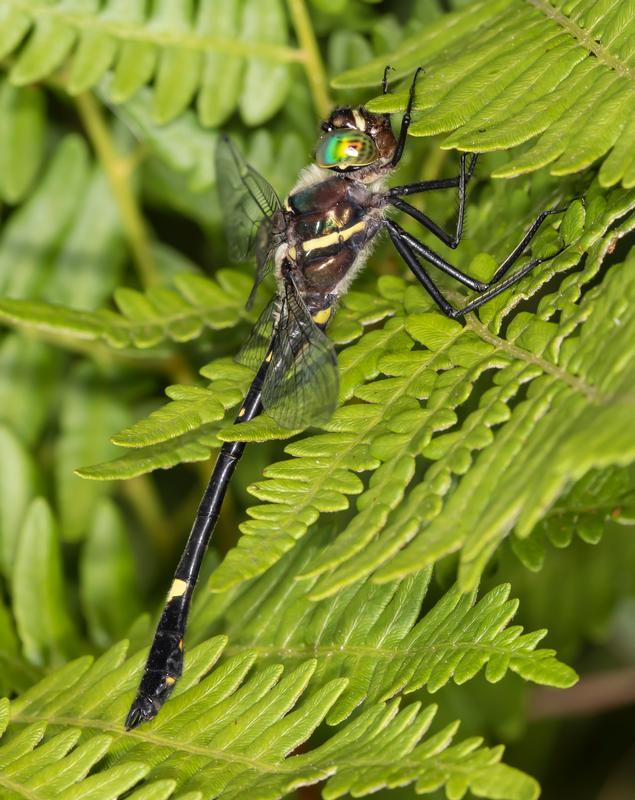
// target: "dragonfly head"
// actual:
[[356, 140]]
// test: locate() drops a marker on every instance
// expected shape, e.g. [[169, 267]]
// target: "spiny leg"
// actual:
[[438, 261], [517, 251], [439, 183], [405, 122], [498, 288], [460, 181], [409, 247], [417, 269], [415, 246]]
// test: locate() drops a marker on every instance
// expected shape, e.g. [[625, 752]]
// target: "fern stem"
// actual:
[[117, 169], [585, 38], [312, 59], [590, 392]]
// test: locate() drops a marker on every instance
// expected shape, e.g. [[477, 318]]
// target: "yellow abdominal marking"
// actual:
[[292, 253], [332, 238], [170, 680], [241, 413], [177, 589], [322, 317]]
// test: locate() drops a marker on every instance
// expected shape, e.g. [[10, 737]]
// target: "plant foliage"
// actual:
[[245, 717], [377, 560], [242, 726], [181, 52], [390, 429], [565, 85]]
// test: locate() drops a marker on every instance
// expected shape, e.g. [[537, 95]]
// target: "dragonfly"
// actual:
[[315, 242]]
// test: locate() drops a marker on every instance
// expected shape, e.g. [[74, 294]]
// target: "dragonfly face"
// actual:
[[356, 140]]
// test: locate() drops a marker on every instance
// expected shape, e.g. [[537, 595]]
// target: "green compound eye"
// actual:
[[345, 148]]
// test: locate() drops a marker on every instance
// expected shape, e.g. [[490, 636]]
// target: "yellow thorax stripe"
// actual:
[[332, 238]]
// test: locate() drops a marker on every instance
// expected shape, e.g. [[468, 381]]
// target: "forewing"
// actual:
[[246, 200], [301, 385]]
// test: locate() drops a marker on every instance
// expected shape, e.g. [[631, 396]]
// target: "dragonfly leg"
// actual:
[[395, 233], [405, 122], [411, 249], [497, 288], [416, 247], [518, 250], [460, 181], [439, 183]]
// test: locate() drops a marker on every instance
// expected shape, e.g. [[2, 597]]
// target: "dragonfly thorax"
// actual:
[[330, 222]]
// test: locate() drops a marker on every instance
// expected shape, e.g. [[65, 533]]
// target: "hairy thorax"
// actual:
[[329, 220]]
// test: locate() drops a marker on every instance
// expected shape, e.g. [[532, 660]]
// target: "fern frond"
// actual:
[[501, 73], [145, 319], [180, 48], [374, 635], [180, 314], [183, 430], [187, 430], [600, 497], [571, 422], [241, 727]]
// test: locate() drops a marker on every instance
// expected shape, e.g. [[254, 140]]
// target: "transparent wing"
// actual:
[[248, 202], [264, 248], [254, 350], [301, 385]]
